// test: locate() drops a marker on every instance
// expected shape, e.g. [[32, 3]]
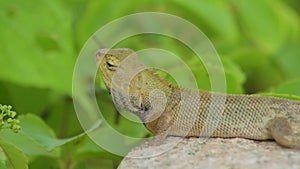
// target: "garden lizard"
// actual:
[[164, 109]]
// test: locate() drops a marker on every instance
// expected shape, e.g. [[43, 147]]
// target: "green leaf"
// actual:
[[14, 156], [3, 166], [264, 22], [36, 137], [288, 90], [39, 54], [261, 70], [37, 129], [291, 88], [213, 15], [88, 149], [289, 59], [233, 74], [39, 162], [285, 96], [235, 77], [23, 97], [27, 144], [106, 11]]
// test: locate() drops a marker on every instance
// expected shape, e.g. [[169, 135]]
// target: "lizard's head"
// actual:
[[109, 61]]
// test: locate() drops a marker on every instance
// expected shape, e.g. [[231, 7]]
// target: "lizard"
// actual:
[[255, 117]]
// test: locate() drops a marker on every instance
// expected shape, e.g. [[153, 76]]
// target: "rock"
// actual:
[[216, 153]]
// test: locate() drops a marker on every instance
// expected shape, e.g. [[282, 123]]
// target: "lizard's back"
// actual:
[[235, 115]]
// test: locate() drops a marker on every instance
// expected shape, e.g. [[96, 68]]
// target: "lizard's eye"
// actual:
[[111, 66]]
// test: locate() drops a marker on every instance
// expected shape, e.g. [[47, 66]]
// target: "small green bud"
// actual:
[[16, 128], [9, 107], [9, 120], [12, 114]]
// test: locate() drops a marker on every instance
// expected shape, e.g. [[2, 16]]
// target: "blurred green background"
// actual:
[[257, 40]]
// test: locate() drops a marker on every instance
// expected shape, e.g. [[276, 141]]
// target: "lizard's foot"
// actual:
[[158, 139], [283, 133]]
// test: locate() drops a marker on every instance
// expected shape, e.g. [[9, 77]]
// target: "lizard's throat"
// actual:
[[124, 102]]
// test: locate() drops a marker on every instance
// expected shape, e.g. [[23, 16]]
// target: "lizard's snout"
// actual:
[[100, 54]]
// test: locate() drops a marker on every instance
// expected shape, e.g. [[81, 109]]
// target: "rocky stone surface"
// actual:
[[216, 153]]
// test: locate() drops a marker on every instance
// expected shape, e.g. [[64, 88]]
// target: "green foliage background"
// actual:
[[257, 40]]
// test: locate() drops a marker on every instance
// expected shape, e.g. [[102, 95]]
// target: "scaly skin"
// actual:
[[169, 110]]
